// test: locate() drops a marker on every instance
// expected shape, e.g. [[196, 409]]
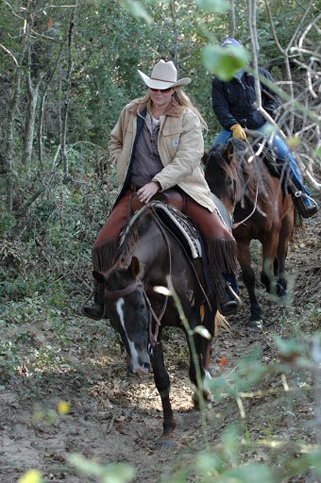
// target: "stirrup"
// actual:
[[231, 302], [234, 294]]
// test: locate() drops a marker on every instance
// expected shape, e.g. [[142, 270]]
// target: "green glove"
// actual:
[[238, 132]]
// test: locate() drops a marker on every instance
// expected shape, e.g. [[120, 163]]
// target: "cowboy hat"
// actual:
[[164, 76]]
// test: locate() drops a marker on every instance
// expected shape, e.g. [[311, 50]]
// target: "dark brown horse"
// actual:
[[240, 178], [148, 255]]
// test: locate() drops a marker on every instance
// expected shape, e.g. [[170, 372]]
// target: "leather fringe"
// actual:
[[222, 256], [104, 254]]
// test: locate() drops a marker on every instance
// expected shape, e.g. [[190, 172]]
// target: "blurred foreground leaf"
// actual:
[[213, 5], [112, 473], [32, 476], [136, 9], [252, 473], [224, 62]]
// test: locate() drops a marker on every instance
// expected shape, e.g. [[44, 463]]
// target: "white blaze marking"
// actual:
[[133, 351]]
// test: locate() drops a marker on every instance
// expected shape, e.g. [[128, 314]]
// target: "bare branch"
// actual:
[[8, 52]]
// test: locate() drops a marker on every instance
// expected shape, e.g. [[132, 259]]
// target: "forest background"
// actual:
[[66, 72]]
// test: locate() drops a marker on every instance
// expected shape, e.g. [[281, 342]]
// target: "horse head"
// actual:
[[127, 310], [221, 173]]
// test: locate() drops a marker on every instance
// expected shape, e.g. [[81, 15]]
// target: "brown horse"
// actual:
[[240, 178], [150, 253]]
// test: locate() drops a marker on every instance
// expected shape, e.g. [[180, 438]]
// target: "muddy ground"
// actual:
[[116, 417]]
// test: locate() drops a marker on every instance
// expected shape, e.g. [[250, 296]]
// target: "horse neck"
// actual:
[[143, 241]]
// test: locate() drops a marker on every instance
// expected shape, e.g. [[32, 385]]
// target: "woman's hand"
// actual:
[[146, 192]]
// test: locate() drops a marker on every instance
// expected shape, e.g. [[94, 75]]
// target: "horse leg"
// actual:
[[199, 349], [284, 238], [269, 252], [248, 276], [162, 383]]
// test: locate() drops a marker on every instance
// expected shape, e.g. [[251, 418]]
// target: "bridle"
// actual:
[[116, 294]]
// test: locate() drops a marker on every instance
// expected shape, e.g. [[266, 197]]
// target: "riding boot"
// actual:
[[222, 256], [302, 200], [95, 310], [102, 256], [305, 205]]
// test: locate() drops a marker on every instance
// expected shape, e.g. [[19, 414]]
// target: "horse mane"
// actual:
[[251, 171], [136, 232]]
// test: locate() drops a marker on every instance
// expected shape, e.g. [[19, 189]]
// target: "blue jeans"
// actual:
[[282, 151]]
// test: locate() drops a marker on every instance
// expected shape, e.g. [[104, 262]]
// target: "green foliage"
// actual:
[[112, 473]]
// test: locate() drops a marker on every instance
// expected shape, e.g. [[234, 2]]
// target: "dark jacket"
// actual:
[[233, 101]]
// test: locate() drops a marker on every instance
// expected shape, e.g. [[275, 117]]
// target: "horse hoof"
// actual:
[[164, 444], [281, 290], [207, 399], [255, 324]]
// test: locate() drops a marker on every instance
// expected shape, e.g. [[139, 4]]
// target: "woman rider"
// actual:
[[157, 144]]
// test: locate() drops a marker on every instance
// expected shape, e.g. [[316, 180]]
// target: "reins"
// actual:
[[255, 205]]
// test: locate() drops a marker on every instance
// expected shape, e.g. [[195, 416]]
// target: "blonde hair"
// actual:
[[179, 99]]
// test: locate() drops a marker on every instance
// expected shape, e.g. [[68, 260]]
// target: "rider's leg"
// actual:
[[222, 255], [309, 207], [222, 138], [104, 250]]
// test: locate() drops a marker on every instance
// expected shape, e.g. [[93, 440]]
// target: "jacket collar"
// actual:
[[171, 109]]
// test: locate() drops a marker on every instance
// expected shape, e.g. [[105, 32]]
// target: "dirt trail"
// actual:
[[116, 417]]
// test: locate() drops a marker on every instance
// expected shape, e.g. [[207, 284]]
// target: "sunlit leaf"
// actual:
[[224, 62], [32, 476], [292, 142], [213, 5], [162, 290], [203, 332], [63, 407]]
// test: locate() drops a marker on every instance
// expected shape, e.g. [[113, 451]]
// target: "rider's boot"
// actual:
[[222, 260], [96, 309], [305, 205]]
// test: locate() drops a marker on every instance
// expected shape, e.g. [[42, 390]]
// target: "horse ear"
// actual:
[[229, 152], [134, 267], [205, 157], [99, 277]]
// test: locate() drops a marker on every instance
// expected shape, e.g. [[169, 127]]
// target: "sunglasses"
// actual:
[[162, 90]]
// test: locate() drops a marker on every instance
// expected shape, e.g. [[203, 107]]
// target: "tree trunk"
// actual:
[[30, 123], [232, 28], [8, 161], [42, 108], [66, 102]]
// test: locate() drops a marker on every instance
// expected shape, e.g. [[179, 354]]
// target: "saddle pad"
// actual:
[[178, 223]]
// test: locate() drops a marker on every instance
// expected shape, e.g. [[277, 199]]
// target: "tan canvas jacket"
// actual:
[[180, 145]]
